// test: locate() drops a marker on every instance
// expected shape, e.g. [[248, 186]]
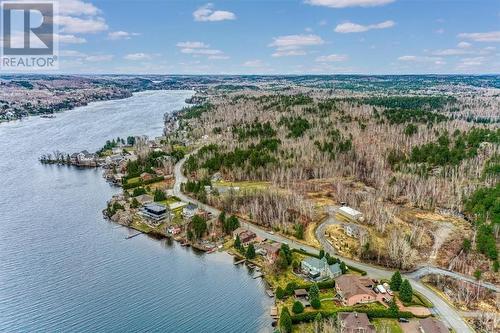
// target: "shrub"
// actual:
[[297, 307]]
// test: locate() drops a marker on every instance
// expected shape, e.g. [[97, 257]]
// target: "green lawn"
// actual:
[[383, 325]]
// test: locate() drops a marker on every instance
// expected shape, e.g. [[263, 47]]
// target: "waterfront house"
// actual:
[[350, 213], [246, 236], [432, 325], [146, 176], [318, 268], [354, 322], [144, 199], [269, 250], [189, 211], [155, 212], [354, 290]]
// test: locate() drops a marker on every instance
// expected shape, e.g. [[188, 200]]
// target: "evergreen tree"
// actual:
[[321, 253], [343, 267], [315, 303], [406, 292], [393, 309], [290, 288], [314, 291], [199, 226], [297, 307], [285, 321], [134, 203], [280, 293], [237, 242], [250, 252], [396, 281]]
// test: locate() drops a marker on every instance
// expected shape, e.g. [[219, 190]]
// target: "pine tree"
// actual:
[[315, 303], [396, 281], [406, 291], [237, 242], [297, 307], [321, 253], [280, 293], [285, 321], [314, 291], [250, 252]]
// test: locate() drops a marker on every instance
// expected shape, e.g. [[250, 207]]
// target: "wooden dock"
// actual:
[[134, 235], [269, 293], [240, 261]]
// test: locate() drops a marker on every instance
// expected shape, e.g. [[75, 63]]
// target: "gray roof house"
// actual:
[[319, 268]]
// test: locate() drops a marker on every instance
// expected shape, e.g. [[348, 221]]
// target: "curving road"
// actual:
[[443, 309]]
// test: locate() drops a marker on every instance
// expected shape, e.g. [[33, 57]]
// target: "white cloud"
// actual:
[[254, 63], [468, 63], [218, 57], [192, 45], [77, 7], [439, 31], [293, 45], [70, 39], [207, 14], [348, 3], [201, 51], [117, 35], [100, 58], [464, 45], [200, 48], [421, 59], [137, 56], [349, 27], [492, 36], [71, 53], [76, 25], [332, 58]]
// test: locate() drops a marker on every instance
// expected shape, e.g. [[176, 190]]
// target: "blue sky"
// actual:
[[279, 37]]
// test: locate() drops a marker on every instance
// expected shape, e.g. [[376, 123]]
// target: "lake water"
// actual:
[[63, 268]]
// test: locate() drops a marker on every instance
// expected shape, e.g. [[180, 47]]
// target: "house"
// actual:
[[319, 268], [300, 293], [155, 212], [432, 325], [353, 322], [352, 230], [146, 176], [269, 250], [246, 236], [350, 214], [144, 199], [189, 211], [354, 290]]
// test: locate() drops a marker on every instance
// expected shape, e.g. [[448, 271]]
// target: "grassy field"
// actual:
[[383, 325]]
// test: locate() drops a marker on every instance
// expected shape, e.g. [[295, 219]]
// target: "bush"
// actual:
[[315, 303], [290, 288], [297, 307], [285, 321], [280, 293]]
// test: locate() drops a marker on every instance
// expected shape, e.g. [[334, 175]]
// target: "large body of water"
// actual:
[[63, 268]]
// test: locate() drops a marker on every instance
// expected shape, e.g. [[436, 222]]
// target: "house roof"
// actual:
[[335, 269], [350, 211], [315, 263], [351, 285], [300, 292], [155, 208], [433, 325], [354, 322]]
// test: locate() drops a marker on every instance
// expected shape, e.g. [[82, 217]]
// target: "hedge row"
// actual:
[[321, 285], [142, 183], [371, 313]]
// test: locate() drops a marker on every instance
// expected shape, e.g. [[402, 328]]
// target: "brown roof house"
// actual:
[[246, 236], [269, 250], [353, 322], [354, 290], [432, 325]]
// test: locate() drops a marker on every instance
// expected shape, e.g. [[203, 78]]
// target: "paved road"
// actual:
[[443, 309]]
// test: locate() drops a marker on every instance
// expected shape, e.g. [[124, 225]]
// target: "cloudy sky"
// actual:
[[280, 36]]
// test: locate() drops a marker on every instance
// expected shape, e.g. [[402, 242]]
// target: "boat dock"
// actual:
[[134, 235], [269, 293], [240, 261]]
